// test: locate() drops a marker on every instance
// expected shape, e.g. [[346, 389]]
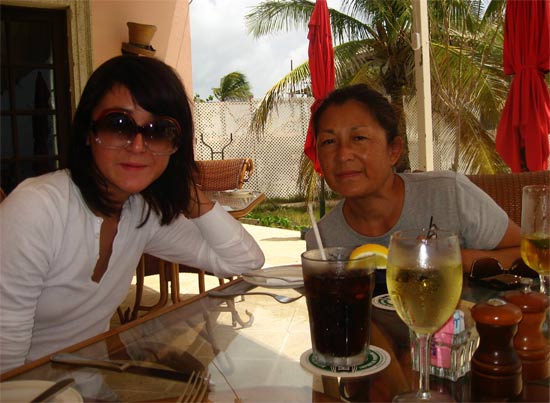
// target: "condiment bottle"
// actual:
[[530, 344], [496, 367]]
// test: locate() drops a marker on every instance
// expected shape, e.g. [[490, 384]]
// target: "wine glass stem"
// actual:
[[424, 381], [544, 284]]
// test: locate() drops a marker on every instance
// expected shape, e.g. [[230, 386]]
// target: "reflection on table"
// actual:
[[238, 203], [251, 346]]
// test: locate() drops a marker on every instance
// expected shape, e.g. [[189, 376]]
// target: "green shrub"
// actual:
[[287, 214]]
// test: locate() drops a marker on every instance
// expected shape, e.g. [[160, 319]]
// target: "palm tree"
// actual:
[[373, 47], [468, 79], [233, 87]]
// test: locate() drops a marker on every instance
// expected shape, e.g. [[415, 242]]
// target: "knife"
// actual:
[[134, 367], [53, 390]]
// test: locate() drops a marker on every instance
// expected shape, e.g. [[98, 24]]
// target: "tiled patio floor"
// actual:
[[280, 247]]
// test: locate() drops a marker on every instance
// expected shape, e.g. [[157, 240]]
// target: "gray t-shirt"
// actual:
[[455, 203]]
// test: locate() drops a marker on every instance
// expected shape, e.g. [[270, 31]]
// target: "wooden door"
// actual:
[[35, 92]]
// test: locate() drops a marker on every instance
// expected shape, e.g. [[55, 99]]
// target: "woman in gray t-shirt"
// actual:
[[358, 147]]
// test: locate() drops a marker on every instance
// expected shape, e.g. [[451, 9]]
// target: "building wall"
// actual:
[[97, 29], [172, 40]]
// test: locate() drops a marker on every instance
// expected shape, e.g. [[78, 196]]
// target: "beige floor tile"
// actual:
[[280, 247]]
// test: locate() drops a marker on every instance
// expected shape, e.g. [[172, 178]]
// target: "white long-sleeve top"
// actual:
[[49, 245]]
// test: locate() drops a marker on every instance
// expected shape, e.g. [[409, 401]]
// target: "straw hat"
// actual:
[[139, 39]]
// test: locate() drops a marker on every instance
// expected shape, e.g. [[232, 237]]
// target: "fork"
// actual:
[[283, 299], [196, 388]]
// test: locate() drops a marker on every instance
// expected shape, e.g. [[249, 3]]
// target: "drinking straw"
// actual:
[[431, 229], [429, 233], [316, 231]]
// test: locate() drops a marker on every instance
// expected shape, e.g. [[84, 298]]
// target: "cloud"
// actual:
[[221, 44]]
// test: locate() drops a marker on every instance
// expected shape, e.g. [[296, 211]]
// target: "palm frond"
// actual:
[[309, 181], [299, 77], [349, 58], [468, 85], [233, 87], [271, 17]]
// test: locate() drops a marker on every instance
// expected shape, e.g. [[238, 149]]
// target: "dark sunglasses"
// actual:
[[117, 130], [488, 271]]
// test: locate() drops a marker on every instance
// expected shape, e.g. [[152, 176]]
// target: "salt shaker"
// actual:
[[496, 367], [529, 341]]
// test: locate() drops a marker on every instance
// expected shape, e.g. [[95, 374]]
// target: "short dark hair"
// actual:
[[371, 99], [157, 88]]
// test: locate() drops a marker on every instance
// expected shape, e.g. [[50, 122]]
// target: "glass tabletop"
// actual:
[[237, 202], [251, 346]]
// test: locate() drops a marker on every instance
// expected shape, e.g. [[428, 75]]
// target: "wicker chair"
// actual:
[[215, 175], [506, 188], [224, 174]]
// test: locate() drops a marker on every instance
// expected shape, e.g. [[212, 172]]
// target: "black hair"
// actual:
[[157, 88], [372, 100]]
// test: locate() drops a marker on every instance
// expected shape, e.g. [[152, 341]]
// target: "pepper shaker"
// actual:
[[529, 342], [496, 367]]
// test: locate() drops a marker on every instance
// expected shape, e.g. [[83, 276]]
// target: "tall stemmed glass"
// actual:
[[424, 278], [535, 232]]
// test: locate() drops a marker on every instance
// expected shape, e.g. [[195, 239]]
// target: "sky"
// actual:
[[221, 45]]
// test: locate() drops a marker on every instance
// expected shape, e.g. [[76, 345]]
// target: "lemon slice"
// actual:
[[377, 256]]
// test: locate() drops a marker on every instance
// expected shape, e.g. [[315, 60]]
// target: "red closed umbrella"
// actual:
[[321, 68], [524, 127]]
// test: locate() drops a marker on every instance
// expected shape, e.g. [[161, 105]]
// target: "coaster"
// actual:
[[383, 301], [377, 360]]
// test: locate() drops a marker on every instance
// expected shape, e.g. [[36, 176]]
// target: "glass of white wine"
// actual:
[[535, 232], [424, 278]]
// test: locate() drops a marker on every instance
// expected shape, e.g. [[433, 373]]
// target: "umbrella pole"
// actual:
[[322, 198]]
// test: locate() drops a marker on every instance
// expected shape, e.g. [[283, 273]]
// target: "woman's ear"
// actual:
[[396, 149]]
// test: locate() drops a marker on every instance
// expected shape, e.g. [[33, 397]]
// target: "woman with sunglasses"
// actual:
[[71, 239], [358, 147]]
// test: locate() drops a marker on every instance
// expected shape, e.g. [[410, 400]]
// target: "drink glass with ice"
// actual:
[[338, 295]]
